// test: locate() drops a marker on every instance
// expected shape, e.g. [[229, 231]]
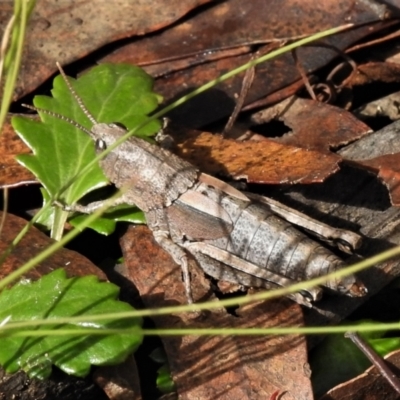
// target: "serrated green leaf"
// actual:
[[59, 154], [55, 296], [112, 93]]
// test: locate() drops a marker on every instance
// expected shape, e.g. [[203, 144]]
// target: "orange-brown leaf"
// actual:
[[256, 161], [12, 173]]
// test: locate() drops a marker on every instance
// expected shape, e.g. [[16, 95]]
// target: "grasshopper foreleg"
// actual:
[[91, 207]]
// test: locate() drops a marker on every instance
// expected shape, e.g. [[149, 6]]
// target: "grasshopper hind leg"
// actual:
[[179, 256], [233, 273], [157, 222]]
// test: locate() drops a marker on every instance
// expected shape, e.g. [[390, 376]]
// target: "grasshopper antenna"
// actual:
[[76, 96], [59, 116]]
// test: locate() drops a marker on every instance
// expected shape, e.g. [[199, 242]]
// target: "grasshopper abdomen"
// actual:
[[263, 239]]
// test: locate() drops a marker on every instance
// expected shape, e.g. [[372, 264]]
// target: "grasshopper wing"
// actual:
[[198, 217]]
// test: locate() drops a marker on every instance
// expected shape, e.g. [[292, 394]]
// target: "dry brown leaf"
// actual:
[[119, 382], [263, 162], [67, 31], [235, 25], [314, 125], [12, 173], [223, 367], [375, 72], [32, 244], [370, 385]]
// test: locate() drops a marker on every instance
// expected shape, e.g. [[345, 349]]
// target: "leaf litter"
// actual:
[[178, 280]]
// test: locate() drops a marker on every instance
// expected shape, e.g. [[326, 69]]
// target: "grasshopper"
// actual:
[[234, 236]]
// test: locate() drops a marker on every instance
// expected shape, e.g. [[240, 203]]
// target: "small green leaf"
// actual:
[[126, 213], [165, 384], [101, 225], [164, 381], [106, 223], [385, 346], [55, 296]]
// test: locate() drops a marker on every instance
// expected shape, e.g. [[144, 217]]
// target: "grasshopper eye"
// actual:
[[118, 125], [100, 145]]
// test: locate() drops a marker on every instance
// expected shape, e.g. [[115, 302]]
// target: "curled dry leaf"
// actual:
[[263, 161], [387, 72], [204, 367], [386, 106], [314, 125]]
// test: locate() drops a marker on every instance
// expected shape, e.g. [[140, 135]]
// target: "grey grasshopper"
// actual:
[[234, 236]]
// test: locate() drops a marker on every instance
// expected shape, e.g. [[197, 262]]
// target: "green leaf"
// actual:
[[112, 93], [55, 296], [164, 381], [385, 346], [106, 223], [46, 219]]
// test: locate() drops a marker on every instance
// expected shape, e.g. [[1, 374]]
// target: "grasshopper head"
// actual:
[[104, 135]]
